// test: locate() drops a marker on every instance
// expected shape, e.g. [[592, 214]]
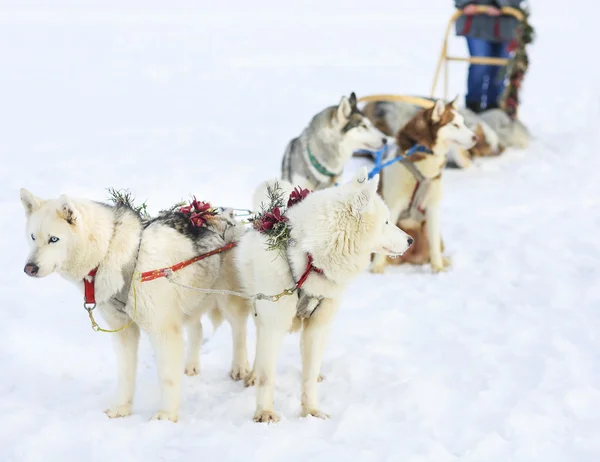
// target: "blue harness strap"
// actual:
[[382, 154]]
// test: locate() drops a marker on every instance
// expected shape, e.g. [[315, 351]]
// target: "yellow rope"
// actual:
[[95, 325]]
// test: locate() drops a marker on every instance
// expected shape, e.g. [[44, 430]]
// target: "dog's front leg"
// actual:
[[168, 349], [312, 345], [435, 240], [273, 321], [126, 344]]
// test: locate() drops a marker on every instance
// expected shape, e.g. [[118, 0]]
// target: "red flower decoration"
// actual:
[[297, 195], [270, 219], [512, 46], [198, 212]]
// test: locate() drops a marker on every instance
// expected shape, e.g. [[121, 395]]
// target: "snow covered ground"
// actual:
[[495, 361]]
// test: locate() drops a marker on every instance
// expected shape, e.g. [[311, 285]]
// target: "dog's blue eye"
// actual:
[[52, 240], [32, 237]]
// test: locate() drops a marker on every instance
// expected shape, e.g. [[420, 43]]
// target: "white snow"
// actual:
[[497, 360]]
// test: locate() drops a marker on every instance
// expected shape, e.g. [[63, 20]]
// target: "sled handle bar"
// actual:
[[444, 58]]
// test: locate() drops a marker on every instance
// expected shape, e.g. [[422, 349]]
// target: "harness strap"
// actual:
[[414, 210], [383, 154], [307, 304], [162, 272], [89, 292], [309, 268]]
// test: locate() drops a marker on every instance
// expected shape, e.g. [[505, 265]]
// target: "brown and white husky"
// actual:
[[412, 188]]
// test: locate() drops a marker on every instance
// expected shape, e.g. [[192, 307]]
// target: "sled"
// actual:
[[445, 58]]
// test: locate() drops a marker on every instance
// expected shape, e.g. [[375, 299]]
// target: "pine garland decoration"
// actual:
[[518, 66], [124, 198], [271, 220]]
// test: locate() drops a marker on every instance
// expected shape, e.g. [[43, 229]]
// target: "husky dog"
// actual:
[[391, 116], [317, 157], [72, 237], [412, 189], [334, 231], [512, 133]]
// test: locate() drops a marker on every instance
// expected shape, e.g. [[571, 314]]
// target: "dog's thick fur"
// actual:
[[511, 133], [331, 136], [436, 128], [391, 116], [340, 228], [73, 236]]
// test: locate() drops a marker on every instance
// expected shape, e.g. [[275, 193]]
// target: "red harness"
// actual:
[[309, 268], [161, 273], [88, 281], [89, 296]]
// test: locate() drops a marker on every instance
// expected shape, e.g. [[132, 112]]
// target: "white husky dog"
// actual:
[[334, 231], [72, 237]]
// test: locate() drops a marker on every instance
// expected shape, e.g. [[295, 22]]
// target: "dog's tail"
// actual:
[[216, 317], [262, 192]]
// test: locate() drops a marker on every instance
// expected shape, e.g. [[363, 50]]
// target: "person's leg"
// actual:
[[496, 75], [477, 73]]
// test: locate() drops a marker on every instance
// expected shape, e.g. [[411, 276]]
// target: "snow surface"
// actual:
[[497, 360]]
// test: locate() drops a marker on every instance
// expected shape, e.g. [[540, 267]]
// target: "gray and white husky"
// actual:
[[317, 157], [72, 237]]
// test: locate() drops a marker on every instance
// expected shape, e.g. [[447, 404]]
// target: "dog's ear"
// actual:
[[66, 210], [438, 110], [479, 133], [360, 177], [452, 104], [367, 190], [374, 183], [30, 202], [344, 110], [352, 101]]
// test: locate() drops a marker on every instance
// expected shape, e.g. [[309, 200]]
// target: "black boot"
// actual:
[[474, 106]]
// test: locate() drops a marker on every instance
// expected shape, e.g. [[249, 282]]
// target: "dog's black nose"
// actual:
[[410, 241], [31, 269], [384, 140], [474, 138]]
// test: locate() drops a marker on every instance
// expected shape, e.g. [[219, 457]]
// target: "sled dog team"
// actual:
[[333, 232]]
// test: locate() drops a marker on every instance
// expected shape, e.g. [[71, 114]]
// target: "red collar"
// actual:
[[89, 297], [309, 268]]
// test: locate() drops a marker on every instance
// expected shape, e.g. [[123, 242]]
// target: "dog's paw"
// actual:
[[165, 415], [447, 262], [250, 379], [438, 268], [315, 413], [320, 378], [240, 372], [266, 417], [192, 368], [377, 269], [115, 412]]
